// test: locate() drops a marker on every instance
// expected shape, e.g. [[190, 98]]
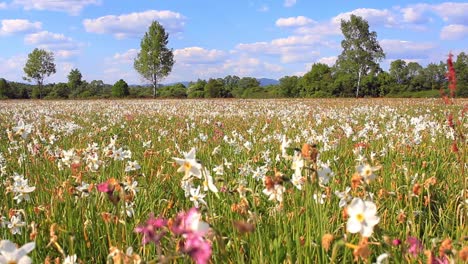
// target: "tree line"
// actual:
[[357, 72]]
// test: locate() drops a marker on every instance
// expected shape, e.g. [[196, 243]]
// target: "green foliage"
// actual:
[[361, 51], [319, 78], [213, 88], [60, 91], [40, 65], [288, 86], [244, 84], [461, 70], [155, 60], [197, 89], [120, 89], [74, 79], [4, 88], [399, 71], [173, 91]]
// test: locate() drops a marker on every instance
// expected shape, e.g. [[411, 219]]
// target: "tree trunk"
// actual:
[[155, 86], [358, 83]]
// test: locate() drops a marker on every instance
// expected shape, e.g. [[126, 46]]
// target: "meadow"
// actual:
[[234, 181]]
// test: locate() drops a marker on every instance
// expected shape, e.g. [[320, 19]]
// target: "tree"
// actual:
[[4, 88], [317, 79], [197, 89], [40, 65], [155, 60], [399, 71], [361, 51], [461, 70], [288, 86], [433, 76], [74, 79], [213, 88], [120, 89]]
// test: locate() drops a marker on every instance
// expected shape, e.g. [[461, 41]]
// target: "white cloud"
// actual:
[[302, 48], [454, 32], [12, 26], [415, 14], [134, 24], [330, 61], [294, 21], [12, 68], [375, 17], [126, 57], [197, 55], [61, 45], [289, 3], [401, 49], [452, 12], [73, 7]]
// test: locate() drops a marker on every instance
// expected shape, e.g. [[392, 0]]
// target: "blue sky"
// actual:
[[258, 38]]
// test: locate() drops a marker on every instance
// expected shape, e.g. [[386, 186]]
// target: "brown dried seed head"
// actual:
[[445, 246], [417, 189], [463, 254], [327, 240]]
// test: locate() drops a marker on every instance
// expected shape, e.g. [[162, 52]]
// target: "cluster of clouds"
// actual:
[[307, 40]]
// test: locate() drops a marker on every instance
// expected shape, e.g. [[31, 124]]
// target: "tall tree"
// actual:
[[399, 71], [213, 88], [317, 79], [461, 70], [4, 88], [155, 59], [361, 51], [40, 65], [74, 79], [120, 89]]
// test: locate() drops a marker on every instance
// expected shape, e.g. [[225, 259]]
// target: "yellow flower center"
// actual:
[[11, 262], [368, 172], [360, 217], [187, 166]]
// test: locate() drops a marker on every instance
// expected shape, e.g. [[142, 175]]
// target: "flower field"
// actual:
[[233, 181]]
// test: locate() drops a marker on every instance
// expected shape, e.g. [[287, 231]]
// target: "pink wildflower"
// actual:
[[197, 248], [152, 230], [415, 246]]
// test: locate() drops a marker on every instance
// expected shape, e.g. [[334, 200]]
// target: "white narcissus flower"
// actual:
[[70, 260], [15, 224], [9, 253], [189, 165], [367, 171], [362, 217], [208, 182], [275, 193], [132, 166], [297, 179], [324, 173], [196, 197], [22, 129], [345, 197]]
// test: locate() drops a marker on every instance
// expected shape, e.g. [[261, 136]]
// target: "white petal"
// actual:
[[353, 225], [356, 207]]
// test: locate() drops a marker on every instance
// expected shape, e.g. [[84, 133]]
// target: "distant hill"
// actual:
[[263, 82], [266, 81]]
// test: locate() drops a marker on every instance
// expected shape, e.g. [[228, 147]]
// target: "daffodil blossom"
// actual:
[[188, 165], [208, 182], [362, 217], [367, 171], [344, 196], [196, 197], [9, 253]]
